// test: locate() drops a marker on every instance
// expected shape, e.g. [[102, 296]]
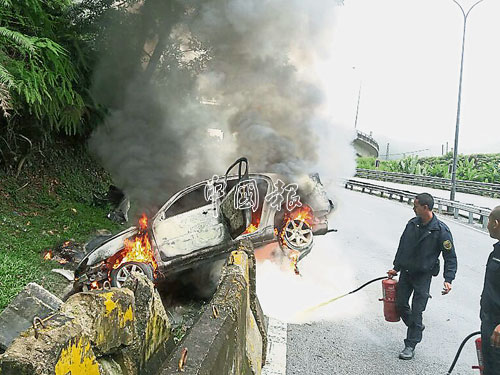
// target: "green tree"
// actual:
[[39, 93]]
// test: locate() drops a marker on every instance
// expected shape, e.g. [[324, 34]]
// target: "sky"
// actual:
[[405, 56]]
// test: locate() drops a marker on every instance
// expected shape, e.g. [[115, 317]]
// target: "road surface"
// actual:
[[350, 336]]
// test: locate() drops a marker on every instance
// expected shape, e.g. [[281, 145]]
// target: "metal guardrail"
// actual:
[[471, 212], [464, 186]]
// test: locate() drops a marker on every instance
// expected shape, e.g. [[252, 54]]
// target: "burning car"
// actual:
[[205, 221]]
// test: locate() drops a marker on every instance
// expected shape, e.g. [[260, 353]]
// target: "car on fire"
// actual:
[[205, 221]]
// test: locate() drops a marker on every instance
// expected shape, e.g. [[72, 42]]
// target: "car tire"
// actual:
[[119, 275], [298, 235]]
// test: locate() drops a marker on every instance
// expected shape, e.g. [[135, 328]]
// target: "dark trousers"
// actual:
[[491, 355], [419, 285]]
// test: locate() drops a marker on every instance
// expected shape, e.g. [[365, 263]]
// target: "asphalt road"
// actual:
[[350, 336]]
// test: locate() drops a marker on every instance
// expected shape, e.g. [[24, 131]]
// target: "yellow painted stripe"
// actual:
[[77, 358]]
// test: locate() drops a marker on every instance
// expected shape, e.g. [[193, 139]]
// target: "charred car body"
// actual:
[[205, 221]]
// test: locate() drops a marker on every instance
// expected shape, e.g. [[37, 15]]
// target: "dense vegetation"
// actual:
[[55, 90], [476, 167], [50, 56], [52, 202]]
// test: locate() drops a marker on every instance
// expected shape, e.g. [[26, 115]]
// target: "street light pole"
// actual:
[[357, 107], [455, 149]]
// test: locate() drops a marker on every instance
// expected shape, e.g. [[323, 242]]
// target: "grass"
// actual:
[[50, 202]]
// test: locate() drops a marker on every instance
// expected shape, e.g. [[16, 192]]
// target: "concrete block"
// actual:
[[226, 339], [106, 317], [151, 324], [18, 316], [253, 345], [59, 348]]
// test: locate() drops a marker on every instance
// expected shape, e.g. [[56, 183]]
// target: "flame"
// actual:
[[48, 255], [143, 222], [253, 226], [303, 213], [294, 258], [137, 249], [94, 285]]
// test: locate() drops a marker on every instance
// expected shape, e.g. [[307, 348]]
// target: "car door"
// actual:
[[188, 224]]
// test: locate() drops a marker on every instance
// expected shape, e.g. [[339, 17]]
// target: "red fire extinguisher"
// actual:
[[479, 356], [389, 288]]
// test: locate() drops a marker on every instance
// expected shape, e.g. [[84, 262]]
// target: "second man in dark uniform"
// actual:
[[423, 240], [490, 302]]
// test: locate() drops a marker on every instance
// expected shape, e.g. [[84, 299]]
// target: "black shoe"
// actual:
[[407, 353]]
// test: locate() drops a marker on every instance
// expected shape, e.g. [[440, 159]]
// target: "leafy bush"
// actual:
[[476, 167]]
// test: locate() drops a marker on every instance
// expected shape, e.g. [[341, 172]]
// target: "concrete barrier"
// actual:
[[229, 337], [103, 332], [126, 331]]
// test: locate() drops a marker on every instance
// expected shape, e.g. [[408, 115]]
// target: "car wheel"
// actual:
[[298, 235], [120, 275]]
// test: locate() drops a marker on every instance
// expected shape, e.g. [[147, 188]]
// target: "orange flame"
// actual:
[[294, 258], [253, 226], [303, 213], [94, 285], [48, 255], [137, 249]]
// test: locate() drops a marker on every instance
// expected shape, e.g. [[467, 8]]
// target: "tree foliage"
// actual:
[[37, 74], [65, 64], [477, 167]]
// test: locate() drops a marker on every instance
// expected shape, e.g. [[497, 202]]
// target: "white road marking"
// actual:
[[276, 348]]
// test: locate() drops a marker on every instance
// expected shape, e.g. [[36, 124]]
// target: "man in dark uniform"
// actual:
[[490, 302], [424, 238]]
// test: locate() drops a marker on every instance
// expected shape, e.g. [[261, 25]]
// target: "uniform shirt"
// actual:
[[420, 246], [490, 298]]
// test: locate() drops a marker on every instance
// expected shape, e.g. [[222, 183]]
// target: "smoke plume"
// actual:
[[244, 67]]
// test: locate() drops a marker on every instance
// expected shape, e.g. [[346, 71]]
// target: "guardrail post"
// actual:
[[471, 217], [484, 219], [455, 213], [440, 208]]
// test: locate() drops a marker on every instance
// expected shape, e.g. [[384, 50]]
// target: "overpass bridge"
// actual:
[[365, 145]]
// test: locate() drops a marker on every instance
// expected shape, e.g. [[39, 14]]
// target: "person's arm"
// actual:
[[450, 260]]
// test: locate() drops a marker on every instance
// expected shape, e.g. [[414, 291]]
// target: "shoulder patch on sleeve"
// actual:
[[447, 245]]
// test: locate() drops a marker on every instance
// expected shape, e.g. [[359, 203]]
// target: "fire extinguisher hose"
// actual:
[[343, 295], [460, 350]]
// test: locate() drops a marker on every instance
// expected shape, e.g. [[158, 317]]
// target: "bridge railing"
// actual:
[[368, 139], [474, 214], [464, 186]]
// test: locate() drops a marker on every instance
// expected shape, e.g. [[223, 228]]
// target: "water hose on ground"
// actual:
[[460, 350], [343, 295]]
